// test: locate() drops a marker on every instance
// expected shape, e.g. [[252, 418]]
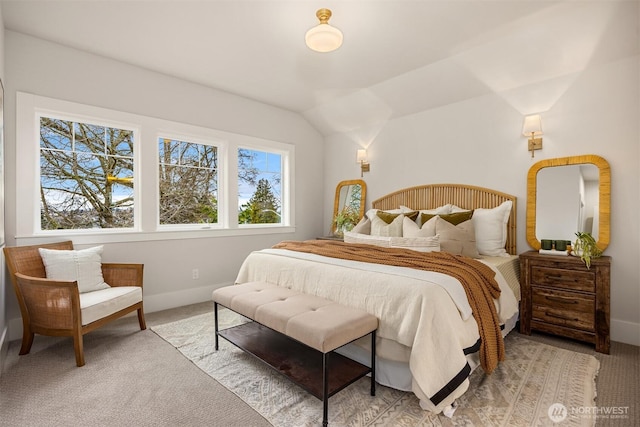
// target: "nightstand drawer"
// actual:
[[573, 280], [563, 308]]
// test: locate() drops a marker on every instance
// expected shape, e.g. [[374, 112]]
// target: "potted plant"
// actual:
[[585, 247], [345, 220]]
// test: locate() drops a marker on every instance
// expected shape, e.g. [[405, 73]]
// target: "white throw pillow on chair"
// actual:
[[84, 266]]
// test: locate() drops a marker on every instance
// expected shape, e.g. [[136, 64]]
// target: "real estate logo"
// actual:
[[557, 412]]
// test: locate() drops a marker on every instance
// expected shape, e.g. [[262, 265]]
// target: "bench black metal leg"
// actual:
[[215, 314], [373, 363], [325, 389]]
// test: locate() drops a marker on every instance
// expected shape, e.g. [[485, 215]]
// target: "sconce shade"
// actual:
[[361, 155], [532, 125], [323, 37]]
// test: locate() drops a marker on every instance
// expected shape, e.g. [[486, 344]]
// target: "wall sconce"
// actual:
[[361, 157], [533, 127]]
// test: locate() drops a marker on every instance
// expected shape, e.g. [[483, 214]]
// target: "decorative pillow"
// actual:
[[453, 218], [363, 227], [366, 239], [444, 209], [84, 266], [419, 244], [380, 228], [389, 217], [411, 229], [491, 229], [457, 239], [373, 212]]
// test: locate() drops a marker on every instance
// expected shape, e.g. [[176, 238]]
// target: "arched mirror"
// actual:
[[567, 195], [350, 195]]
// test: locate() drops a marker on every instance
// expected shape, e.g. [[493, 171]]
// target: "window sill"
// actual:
[[90, 238]]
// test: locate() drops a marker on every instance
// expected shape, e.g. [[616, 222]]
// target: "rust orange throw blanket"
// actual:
[[477, 278]]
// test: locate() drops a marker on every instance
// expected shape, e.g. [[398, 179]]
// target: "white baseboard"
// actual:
[[179, 298], [626, 332], [4, 346], [151, 303]]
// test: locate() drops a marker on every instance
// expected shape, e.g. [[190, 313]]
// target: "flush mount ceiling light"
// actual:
[[323, 37]]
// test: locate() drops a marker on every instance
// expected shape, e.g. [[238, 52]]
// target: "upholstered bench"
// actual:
[[296, 333]]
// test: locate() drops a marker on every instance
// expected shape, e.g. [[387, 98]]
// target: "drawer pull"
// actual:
[[562, 279], [558, 316], [563, 300]]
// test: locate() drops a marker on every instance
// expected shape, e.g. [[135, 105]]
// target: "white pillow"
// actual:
[[441, 210], [444, 209], [420, 244], [84, 266], [352, 237], [456, 209], [405, 209], [363, 227], [380, 228], [411, 229], [491, 229]]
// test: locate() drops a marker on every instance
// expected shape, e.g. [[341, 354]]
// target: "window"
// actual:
[[86, 175], [102, 175], [259, 187], [188, 182]]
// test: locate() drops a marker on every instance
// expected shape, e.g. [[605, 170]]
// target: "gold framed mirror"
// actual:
[[351, 194], [559, 199]]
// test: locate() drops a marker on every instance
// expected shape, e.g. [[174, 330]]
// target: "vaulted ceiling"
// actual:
[[398, 57]]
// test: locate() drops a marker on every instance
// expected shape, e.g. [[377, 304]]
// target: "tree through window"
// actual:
[[188, 182], [86, 175], [259, 187]]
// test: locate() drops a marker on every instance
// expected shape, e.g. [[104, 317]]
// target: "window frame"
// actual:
[[146, 130]]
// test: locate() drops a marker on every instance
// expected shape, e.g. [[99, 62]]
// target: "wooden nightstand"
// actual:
[[562, 297]]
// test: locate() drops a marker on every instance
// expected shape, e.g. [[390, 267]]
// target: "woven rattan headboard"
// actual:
[[465, 196]]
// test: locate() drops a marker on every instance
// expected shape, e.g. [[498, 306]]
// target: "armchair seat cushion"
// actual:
[[96, 305]]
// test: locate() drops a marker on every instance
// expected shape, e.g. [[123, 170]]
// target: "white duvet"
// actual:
[[424, 317]]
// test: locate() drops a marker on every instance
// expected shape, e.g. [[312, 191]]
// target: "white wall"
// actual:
[[594, 110], [47, 69], [3, 283]]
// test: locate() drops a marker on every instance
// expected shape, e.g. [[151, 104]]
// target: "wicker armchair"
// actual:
[[57, 308]]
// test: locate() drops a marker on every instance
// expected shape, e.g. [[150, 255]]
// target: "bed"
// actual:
[[429, 336]]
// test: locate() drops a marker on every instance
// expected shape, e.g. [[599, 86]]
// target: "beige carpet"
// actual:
[[520, 392]]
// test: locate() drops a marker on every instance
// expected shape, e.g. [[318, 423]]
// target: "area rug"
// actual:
[[537, 385]]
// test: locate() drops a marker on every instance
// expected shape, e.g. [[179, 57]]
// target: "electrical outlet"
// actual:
[[195, 274]]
